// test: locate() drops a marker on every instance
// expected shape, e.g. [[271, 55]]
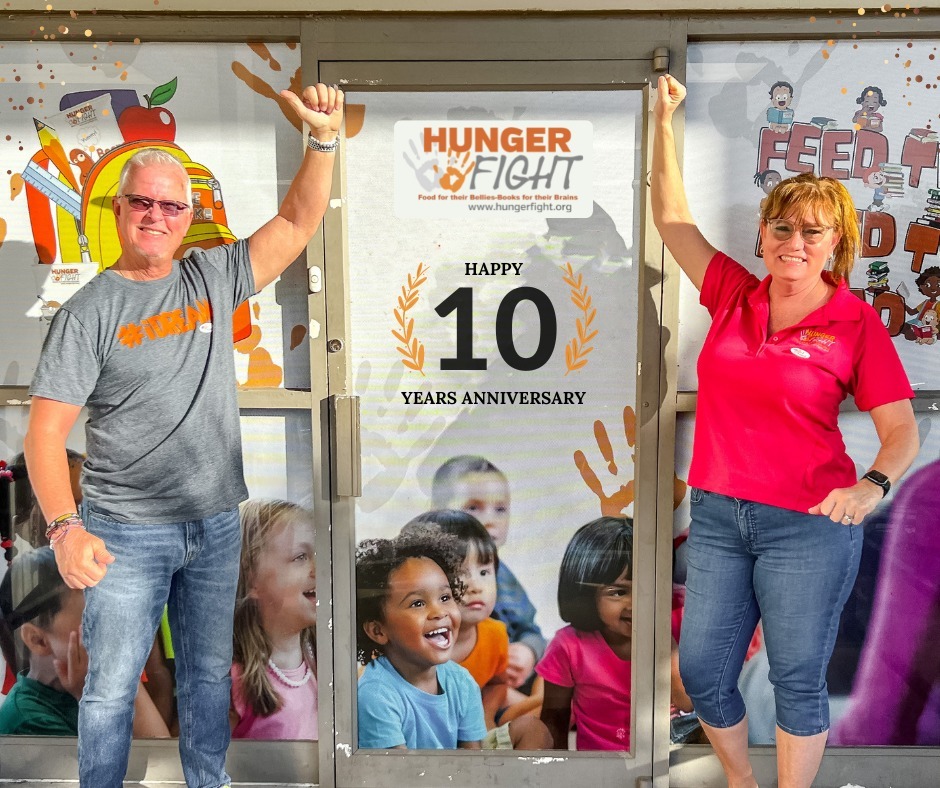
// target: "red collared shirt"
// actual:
[[766, 424]]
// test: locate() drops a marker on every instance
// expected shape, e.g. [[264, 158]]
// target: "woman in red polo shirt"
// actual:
[[775, 497]]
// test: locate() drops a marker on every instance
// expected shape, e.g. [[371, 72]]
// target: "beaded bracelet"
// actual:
[[59, 528]]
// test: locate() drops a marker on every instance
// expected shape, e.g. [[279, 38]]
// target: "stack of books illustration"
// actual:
[[931, 216], [894, 179]]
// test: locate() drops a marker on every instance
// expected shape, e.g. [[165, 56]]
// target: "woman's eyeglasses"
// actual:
[[783, 230], [138, 202]]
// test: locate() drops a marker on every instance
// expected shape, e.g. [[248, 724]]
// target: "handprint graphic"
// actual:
[[454, 176], [426, 169], [615, 504]]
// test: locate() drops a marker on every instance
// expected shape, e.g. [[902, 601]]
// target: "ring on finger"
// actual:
[[847, 519]]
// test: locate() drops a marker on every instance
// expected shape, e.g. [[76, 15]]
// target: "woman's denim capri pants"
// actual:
[[750, 562]]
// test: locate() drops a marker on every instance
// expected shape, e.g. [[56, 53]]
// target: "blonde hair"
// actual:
[[251, 645], [148, 157], [807, 195]]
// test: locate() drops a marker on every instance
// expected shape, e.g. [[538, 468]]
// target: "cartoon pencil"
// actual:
[[56, 153]]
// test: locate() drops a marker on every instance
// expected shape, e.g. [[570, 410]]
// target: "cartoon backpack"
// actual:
[[84, 229]]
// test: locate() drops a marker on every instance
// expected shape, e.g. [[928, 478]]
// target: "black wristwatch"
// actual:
[[876, 477]]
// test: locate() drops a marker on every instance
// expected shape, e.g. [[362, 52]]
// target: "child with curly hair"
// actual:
[[411, 696], [482, 644]]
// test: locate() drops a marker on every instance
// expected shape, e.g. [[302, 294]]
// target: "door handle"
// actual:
[[346, 454]]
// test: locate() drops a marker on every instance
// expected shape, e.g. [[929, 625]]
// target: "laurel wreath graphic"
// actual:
[[411, 348], [577, 350]]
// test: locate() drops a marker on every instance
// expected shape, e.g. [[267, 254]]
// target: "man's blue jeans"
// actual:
[[793, 571], [193, 567]]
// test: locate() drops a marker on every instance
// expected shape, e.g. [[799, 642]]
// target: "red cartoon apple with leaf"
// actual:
[[152, 122]]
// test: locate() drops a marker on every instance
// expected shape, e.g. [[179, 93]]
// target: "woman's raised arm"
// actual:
[[670, 207]]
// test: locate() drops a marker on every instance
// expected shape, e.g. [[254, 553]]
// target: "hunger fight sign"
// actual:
[[459, 169]]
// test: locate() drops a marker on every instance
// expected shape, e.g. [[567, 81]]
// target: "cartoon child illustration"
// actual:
[[876, 180], [929, 285], [868, 117], [779, 114], [767, 179], [928, 332]]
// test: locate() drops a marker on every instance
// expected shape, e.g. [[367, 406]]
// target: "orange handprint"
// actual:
[[616, 503], [453, 176]]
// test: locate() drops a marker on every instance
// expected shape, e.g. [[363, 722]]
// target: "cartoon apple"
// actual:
[[152, 122]]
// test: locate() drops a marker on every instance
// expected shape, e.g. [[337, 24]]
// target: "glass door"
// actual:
[[487, 362]]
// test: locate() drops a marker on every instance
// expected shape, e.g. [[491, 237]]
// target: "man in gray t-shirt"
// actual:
[[146, 346]]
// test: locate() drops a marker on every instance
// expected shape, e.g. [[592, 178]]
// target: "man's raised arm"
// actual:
[[275, 245]]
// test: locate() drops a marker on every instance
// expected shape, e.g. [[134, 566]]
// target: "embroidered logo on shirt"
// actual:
[[798, 351], [165, 324], [810, 336]]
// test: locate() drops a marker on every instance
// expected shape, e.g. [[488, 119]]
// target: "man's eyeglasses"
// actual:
[[138, 202], [783, 230]]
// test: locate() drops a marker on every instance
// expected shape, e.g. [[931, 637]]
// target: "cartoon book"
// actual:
[[923, 135], [779, 116]]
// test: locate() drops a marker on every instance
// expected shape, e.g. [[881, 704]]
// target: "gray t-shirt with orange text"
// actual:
[[154, 364]]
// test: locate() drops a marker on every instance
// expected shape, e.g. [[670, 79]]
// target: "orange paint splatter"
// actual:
[[263, 89], [825, 54], [355, 117], [3, 230], [123, 76], [16, 185], [265, 54], [262, 371], [297, 334]]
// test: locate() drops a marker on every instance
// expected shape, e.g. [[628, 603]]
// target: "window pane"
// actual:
[[494, 297], [74, 114]]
